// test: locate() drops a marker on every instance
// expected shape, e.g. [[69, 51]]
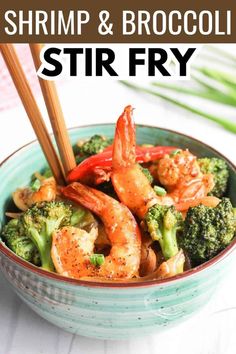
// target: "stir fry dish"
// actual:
[[128, 213]]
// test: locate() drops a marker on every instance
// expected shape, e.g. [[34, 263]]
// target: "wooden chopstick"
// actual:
[[32, 110], [55, 114]]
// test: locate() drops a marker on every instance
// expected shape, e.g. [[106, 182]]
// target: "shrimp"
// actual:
[[170, 170], [180, 175], [129, 182], [171, 267], [72, 248], [26, 197]]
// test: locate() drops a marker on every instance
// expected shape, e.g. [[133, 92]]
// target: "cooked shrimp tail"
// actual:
[[124, 153], [130, 183], [90, 198]]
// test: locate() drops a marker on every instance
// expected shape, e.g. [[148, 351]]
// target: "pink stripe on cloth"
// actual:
[[8, 95]]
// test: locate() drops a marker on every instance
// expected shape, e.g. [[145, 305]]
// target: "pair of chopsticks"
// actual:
[[60, 166]]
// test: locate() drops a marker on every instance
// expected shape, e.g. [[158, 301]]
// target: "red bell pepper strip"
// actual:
[[101, 163], [110, 147]]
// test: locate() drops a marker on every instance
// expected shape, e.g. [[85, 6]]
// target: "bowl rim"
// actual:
[[117, 284]]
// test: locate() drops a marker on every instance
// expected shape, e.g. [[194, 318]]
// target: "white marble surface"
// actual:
[[210, 332]]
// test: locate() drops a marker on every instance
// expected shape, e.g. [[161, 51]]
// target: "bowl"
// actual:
[[109, 310]]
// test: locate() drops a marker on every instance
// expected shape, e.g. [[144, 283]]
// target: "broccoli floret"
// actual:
[[40, 221], [219, 169], [147, 174], [30, 235], [163, 222], [15, 237], [207, 231], [82, 218], [95, 145]]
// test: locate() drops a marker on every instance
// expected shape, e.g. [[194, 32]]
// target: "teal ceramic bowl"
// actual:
[[99, 310]]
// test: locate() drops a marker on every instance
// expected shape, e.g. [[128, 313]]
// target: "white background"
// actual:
[[210, 332]]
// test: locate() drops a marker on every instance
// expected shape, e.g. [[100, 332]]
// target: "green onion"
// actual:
[[147, 145], [210, 83], [227, 124], [159, 191], [210, 92], [220, 53], [175, 152], [35, 185], [97, 259]]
